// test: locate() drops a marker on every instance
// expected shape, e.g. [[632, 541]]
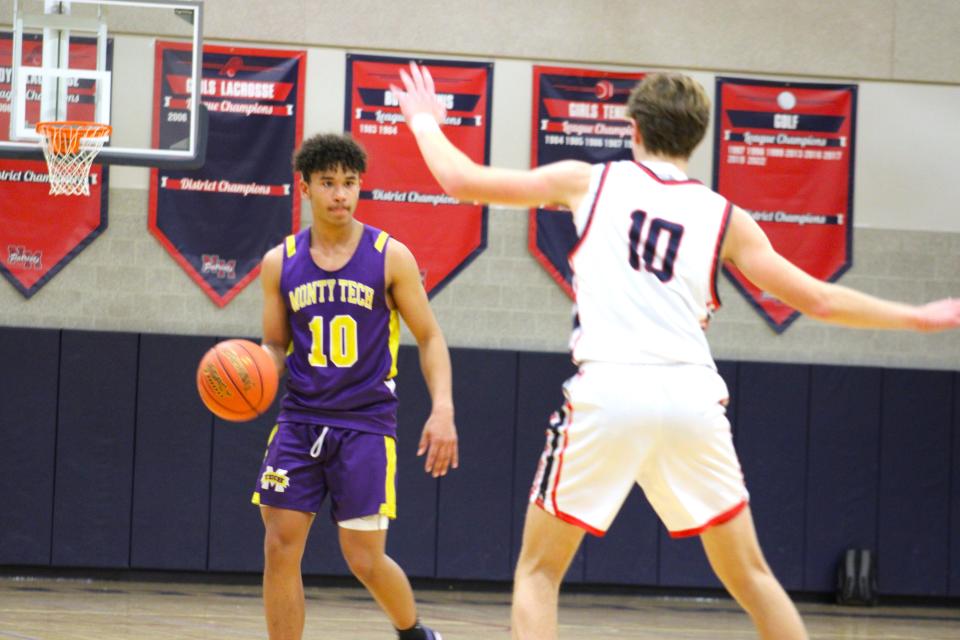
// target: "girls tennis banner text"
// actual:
[[578, 114]]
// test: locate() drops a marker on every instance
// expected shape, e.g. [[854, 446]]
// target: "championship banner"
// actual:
[[578, 114], [40, 234], [219, 220], [784, 152], [399, 195]]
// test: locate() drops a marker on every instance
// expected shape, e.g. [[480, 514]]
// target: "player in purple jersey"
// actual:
[[332, 297], [634, 425]]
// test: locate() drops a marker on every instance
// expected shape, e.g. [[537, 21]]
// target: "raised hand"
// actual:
[[418, 95]]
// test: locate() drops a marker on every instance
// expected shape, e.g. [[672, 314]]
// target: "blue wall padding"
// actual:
[[627, 554], [322, 555], [955, 493], [28, 431], [540, 377], [915, 446], [771, 439], [95, 434], [473, 537], [236, 530], [129, 470], [412, 539], [174, 438], [843, 468], [683, 563]]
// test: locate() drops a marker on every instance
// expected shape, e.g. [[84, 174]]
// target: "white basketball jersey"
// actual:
[[645, 265]]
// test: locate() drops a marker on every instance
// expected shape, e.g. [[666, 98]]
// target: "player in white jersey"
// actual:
[[651, 217], [647, 404]]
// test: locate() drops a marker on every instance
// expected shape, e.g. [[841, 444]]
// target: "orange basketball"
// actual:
[[237, 380]]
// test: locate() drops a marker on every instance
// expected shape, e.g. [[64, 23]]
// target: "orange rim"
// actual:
[[63, 137]]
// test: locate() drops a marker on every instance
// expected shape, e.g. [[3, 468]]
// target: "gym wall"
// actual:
[[831, 452], [907, 226]]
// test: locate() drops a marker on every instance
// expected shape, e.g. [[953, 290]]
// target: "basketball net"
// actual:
[[70, 148]]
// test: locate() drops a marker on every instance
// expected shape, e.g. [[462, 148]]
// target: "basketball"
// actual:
[[237, 380]]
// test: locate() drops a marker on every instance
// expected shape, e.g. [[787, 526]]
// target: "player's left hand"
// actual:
[[418, 94], [439, 442], [939, 315]]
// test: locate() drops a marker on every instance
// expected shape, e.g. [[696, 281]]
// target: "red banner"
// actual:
[[399, 195], [784, 152], [578, 114], [39, 233]]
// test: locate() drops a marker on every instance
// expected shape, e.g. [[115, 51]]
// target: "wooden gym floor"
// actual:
[[77, 609]]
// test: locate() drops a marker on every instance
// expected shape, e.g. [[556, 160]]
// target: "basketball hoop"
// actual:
[[70, 148]]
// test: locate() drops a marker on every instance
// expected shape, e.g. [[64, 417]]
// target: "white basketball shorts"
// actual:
[[661, 426]]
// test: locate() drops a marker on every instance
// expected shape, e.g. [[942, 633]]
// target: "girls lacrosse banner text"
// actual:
[[398, 193], [219, 220], [784, 153]]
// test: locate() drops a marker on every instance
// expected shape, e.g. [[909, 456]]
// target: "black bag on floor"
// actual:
[[857, 578]]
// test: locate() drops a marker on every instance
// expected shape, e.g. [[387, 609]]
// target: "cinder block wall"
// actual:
[[902, 53]]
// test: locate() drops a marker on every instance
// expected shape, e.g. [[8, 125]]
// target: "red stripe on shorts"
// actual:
[[569, 519], [726, 516]]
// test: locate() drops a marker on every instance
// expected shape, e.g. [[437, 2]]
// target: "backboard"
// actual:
[[95, 60]]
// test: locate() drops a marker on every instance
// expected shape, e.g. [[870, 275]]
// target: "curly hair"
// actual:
[[672, 112], [326, 151]]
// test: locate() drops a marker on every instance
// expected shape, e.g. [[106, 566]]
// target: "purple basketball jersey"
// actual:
[[343, 360]]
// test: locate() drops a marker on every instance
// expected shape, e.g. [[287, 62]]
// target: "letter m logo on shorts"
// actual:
[[276, 479]]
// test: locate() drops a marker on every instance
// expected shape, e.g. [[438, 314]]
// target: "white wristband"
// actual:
[[421, 122]]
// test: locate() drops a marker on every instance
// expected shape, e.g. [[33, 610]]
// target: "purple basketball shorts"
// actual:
[[305, 462]]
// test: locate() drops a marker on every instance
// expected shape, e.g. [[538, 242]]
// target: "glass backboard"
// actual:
[[97, 61]]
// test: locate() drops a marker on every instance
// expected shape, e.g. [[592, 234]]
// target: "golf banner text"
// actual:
[[784, 153]]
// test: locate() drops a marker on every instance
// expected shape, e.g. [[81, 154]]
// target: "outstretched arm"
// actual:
[[563, 183], [439, 437], [276, 329], [749, 249]]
